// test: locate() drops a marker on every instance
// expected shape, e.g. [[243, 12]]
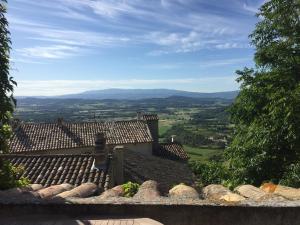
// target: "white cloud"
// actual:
[[67, 36], [73, 14], [62, 43], [223, 62], [49, 52], [24, 60], [169, 25], [230, 45], [110, 8], [190, 42], [198, 64], [77, 40], [60, 87], [104, 8], [251, 9]]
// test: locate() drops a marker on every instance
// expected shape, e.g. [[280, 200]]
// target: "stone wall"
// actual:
[[141, 148], [171, 214], [216, 205]]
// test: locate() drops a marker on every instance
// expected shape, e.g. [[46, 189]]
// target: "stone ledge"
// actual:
[[173, 214], [148, 194]]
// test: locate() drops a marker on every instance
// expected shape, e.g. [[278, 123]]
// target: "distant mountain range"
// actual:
[[137, 94]]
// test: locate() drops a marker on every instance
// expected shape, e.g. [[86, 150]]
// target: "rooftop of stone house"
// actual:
[[166, 172], [28, 137], [50, 170], [173, 151]]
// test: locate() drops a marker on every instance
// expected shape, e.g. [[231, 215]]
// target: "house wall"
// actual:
[[142, 148], [154, 130]]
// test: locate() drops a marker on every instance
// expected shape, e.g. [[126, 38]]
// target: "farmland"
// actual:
[[200, 124]]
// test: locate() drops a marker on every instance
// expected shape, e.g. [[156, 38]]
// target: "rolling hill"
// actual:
[[137, 94]]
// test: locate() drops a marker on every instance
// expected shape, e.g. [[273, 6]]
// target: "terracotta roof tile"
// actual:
[[172, 151], [58, 169], [150, 117], [49, 136]]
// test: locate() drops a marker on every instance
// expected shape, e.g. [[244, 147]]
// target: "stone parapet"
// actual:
[[246, 205]]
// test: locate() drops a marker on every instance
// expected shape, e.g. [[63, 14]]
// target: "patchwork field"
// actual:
[[200, 124], [203, 154]]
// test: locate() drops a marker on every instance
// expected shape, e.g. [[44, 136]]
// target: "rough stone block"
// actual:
[[251, 192], [183, 191], [283, 191], [148, 191], [217, 192], [117, 191], [51, 191], [82, 191], [287, 192], [21, 190], [268, 187]]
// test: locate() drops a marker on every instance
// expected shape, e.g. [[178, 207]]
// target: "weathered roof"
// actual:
[[58, 169], [30, 137], [172, 151], [139, 168]]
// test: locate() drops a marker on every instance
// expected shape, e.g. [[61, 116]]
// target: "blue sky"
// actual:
[[70, 46]]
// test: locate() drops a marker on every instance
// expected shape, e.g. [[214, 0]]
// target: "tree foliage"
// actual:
[[209, 173], [9, 175], [185, 136], [266, 114]]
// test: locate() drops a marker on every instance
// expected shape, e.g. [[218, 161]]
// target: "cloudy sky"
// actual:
[[69, 46]]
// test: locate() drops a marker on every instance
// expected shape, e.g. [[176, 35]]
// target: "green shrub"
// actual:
[[292, 176], [130, 189], [10, 176], [209, 173]]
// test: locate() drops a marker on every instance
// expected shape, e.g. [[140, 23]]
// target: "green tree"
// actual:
[[9, 175], [266, 114]]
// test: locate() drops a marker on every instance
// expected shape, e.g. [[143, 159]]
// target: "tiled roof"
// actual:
[[172, 151], [150, 117], [58, 169], [47, 136], [139, 168]]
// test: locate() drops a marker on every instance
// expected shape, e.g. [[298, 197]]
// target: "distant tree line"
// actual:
[[187, 137]]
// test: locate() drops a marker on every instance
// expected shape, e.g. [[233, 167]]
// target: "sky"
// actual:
[[70, 46]]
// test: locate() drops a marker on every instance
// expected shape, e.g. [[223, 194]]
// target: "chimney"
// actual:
[[173, 138], [100, 151], [152, 122], [139, 115], [60, 121], [15, 124], [118, 164]]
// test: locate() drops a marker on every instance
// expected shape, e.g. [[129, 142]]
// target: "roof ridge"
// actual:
[[45, 155], [170, 143], [78, 122]]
